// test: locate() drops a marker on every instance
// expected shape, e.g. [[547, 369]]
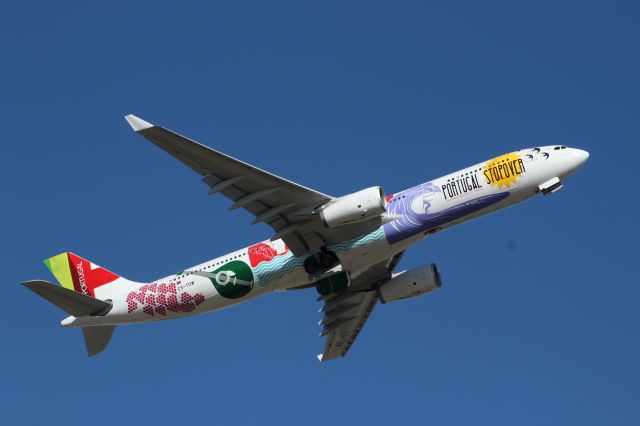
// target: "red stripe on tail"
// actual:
[[87, 276]]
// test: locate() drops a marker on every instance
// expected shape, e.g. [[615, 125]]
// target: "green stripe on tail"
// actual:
[[59, 267]]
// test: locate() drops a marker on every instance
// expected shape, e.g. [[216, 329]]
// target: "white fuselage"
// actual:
[[269, 266]]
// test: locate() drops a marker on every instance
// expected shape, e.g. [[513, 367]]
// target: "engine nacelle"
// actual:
[[356, 207], [411, 283]]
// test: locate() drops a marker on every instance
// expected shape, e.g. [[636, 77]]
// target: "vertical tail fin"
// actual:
[[78, 274]]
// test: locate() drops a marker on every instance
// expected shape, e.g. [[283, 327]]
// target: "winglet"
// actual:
[[319, 356], [137, 124]]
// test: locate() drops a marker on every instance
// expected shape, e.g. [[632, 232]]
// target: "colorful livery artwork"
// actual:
[[346, 248]]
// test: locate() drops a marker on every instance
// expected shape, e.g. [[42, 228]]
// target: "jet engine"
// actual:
[[356, 207], [411, 283]]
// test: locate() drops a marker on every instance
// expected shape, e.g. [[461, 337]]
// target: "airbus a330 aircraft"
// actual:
[[346, 248]]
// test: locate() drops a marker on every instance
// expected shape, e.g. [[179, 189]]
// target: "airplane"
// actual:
[[346, 248]]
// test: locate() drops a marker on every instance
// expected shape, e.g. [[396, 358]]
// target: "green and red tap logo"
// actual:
[[233, 280], [76, 273]]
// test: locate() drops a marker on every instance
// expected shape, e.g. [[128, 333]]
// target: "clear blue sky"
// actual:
[[537, 321]]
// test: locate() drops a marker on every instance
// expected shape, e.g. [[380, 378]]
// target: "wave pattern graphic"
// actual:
[[276, 268], [360, 241], [267, 272]]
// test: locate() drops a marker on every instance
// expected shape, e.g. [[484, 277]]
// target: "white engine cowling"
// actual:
[[356, 207], [411, 283]]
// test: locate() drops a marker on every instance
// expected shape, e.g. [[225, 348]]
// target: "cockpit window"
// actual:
[[563, 147], [556, 148]]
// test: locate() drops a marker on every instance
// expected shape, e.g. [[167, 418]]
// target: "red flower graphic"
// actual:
[[158, 298]]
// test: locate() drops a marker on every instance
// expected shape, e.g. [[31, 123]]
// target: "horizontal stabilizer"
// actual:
[[97, 338], [74, 303]]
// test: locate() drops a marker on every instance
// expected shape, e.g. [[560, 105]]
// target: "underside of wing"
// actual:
[[290, 209], [346, 314], [278, 202]]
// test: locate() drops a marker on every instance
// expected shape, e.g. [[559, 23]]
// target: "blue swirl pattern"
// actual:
[[411, 223]]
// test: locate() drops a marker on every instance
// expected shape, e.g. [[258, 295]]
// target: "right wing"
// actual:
[[287, 207]]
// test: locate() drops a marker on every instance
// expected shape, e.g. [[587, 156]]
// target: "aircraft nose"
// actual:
[[582, 156], [574, 161]]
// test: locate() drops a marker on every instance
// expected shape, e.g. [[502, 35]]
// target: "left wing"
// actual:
[[345, 314]]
